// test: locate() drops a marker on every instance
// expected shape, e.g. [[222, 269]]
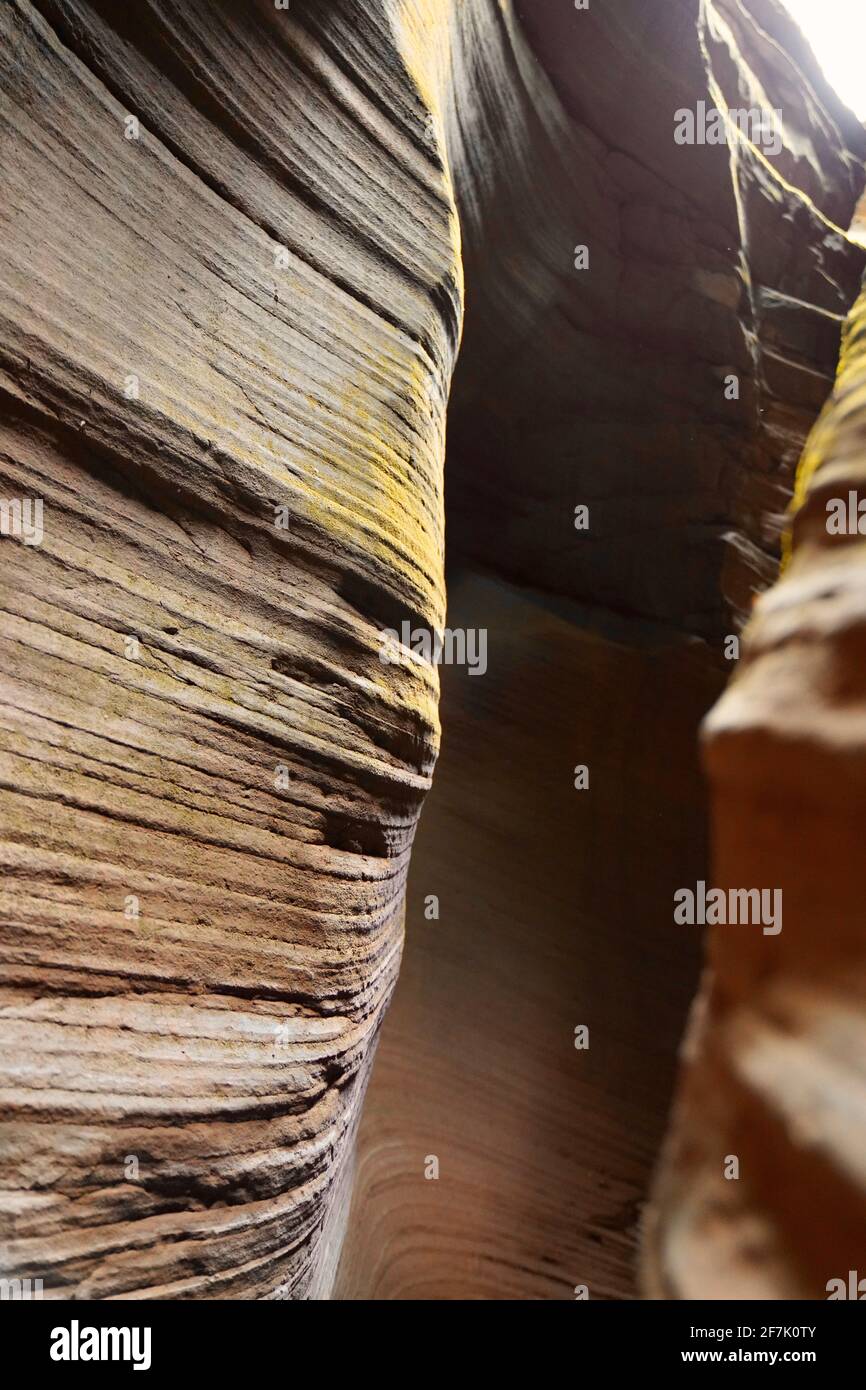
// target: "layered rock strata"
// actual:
[[610, 386], [776, 1050], [230, 313], [537, 1199], [232, 295]]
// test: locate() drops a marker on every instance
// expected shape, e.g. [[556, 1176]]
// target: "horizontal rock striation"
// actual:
[[776, 1051], [228, 329], [604, 386], [232, 297], [608, 386]]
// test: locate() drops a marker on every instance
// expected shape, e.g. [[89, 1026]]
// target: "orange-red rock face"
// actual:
[[232, 295], [224, 369], [775, 1054]]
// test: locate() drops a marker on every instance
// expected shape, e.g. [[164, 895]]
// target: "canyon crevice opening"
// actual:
[[290, 293]]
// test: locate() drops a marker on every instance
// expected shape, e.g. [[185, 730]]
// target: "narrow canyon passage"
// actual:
[[554, 912], [603, 380], [259, 260]]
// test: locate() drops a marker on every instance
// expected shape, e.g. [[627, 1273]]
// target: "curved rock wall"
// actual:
[[232, 302], [776, 1050], [608, 386], [226, 350], [474, 1065]]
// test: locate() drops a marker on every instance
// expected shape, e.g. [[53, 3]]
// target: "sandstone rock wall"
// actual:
[[775, 1054], [538, 1196], [246, 315], [607, 386], [232, 299]]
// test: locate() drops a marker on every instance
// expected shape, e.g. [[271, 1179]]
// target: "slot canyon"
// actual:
[[326, 976]]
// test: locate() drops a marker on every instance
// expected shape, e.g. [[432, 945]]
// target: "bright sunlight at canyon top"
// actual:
[[836, 29]]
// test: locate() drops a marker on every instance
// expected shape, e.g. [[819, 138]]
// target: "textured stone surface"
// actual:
[[777, 1048], [554, 912], [606, 387], [220, 1039], [209, 783], [573, 890]]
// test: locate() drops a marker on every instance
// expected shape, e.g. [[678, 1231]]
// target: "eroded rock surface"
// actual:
[[534, 1198], [246, 315], [776, 1050], [607, 386], [232, 293]]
